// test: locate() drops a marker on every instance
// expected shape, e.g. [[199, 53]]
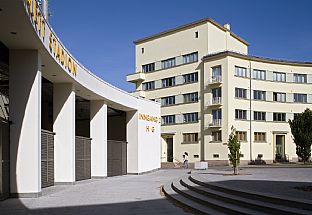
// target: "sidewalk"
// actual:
[[117, 195]]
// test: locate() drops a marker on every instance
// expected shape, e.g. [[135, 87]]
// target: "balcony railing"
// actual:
[[215, 101], [216, 123], [215, 80]]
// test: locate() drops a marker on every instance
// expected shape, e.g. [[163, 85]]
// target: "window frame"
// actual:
[[240, 91], [239, 134], [190, 58], [260, 136], [259, 116], [276, 76], [240, 114], [168, 63], [279, 117], [190, 137], [240, 72], [150, 67]]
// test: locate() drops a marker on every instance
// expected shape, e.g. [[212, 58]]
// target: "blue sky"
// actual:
[[100, 33]]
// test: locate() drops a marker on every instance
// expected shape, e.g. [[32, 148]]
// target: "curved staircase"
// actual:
[[201, 197]]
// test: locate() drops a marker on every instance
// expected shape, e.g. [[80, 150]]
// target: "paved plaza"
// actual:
[[141, 194]]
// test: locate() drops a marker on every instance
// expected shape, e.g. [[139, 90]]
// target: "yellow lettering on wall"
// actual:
[[149, 118], [35, 12], [69, 64], [50, 41], [42, 28], [74, 69], [54, 46], [62, 57], [39, 22], [29, 6]]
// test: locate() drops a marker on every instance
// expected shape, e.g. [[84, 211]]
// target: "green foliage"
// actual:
[[301, 129], [234, 147]]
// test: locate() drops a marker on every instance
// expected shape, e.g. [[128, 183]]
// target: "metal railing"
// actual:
[[215, 79], [216, 123], [216, 100]]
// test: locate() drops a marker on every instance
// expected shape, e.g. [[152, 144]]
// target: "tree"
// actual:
[[301, 129], [234, 147]]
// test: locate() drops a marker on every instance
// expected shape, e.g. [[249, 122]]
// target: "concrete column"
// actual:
[[25, 130], [64, 127], [98, 133], [132, 139]]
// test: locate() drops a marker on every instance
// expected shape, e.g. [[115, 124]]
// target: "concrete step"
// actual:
[[263, 197], [213, 203], [187, 204], [241, 201]]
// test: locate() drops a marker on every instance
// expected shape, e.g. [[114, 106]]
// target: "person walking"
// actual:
[[185, 160]]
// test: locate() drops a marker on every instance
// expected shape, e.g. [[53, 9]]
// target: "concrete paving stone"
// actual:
[[140, 194]]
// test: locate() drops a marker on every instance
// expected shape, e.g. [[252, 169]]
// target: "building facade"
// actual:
[[206, 82], [59, 122]]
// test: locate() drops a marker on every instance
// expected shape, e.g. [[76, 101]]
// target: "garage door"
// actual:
[[116, 158], [83, 158], [47, 158], [4, 159]]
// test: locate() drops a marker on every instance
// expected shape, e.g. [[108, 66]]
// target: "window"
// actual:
[[196, 156], [259, 136], [300, 98], [148, 67], [279, 97], [240, 93], [216, 72], [190, 97], [168, 63], [215, 155], [240, 114], [190, 117], [216, 92], [149, 85], [258, 74], [241, 135], [279, 117], [196, 34], [190, 78], [216, 136], [142, 50], [260, 116], [300, 78], [190, 137], [240, 71], [166, 120], [216, 114], [170, 100], [168, 82], [259, 95], [279, 76], [190, 58]]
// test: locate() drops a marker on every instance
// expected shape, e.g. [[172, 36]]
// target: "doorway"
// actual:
[[279, 147], [169, 149]]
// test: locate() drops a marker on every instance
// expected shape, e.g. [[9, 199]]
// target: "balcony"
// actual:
[[216, 123], [139, 76], [215, 101], [215, 80]]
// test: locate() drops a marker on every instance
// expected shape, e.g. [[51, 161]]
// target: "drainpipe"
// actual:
[[250, 114]]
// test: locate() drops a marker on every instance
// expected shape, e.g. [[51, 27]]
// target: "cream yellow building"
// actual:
[[205, 80]]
